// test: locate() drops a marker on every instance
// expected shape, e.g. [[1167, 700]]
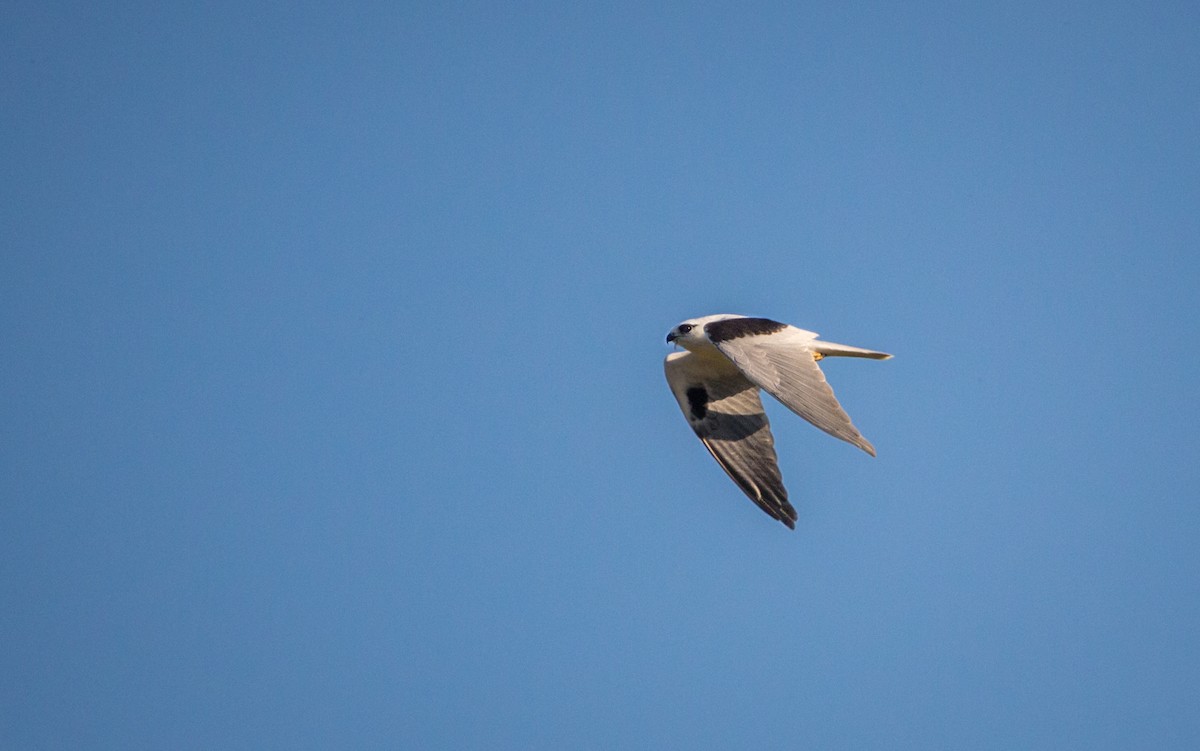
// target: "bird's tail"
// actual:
[[832, 349]]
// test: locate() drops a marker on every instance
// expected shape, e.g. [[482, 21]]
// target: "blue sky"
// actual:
[[333, 407]]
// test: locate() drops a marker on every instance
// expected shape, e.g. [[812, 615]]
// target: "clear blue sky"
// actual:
[[333, 413]]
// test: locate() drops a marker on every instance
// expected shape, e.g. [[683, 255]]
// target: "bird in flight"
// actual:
[[726, 360]]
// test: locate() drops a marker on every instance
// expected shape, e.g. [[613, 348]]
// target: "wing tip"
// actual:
[[858, 440], [785, 513]]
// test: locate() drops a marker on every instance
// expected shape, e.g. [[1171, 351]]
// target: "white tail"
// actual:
[[831, 349]]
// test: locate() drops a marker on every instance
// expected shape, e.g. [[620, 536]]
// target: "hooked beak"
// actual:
[[671, 337]]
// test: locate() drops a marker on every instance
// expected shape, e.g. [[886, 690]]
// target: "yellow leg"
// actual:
[[818, 356]]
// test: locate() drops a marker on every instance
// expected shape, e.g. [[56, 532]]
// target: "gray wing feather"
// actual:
[[782, 363], [731, 423]]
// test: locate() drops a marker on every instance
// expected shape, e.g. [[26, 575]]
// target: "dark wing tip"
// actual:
[[789, 515], [778, 508]]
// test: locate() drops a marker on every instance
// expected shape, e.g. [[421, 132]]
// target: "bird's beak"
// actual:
[[671, 337]]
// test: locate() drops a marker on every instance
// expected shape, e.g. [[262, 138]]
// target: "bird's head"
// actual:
[[690, 334]]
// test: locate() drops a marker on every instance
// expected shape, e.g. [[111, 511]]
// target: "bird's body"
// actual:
[[716, 380]]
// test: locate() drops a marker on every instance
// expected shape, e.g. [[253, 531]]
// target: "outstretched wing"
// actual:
[[724, 409], [782, 359]]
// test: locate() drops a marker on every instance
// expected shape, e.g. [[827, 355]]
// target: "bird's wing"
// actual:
[[782, 360], [724, 409]]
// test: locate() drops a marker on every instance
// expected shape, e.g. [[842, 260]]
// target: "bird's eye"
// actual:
[[686, 328]]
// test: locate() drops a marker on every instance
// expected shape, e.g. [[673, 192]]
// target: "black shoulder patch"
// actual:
[[735, 328], [697, 397]]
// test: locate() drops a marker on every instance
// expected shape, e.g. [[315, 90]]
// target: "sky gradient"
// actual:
[[334, 413]]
